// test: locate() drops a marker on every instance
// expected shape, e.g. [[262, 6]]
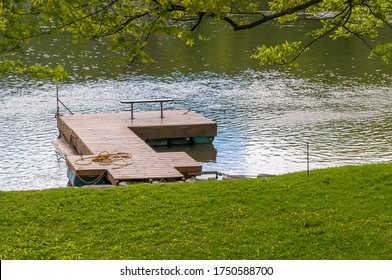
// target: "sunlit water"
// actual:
[[337, 102], [264, 121]]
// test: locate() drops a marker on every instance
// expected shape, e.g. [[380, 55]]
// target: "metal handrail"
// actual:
[[60, 102], [146, 101]]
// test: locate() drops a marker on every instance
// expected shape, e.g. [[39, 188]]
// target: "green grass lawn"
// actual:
[[336, 213]]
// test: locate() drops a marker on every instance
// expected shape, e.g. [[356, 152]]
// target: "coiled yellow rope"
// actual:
[[119, 159]]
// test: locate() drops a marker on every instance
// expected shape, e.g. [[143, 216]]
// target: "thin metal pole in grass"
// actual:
[[307, 158], [57, 100]]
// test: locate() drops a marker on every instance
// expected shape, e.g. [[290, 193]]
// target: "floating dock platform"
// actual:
[[114, 147]]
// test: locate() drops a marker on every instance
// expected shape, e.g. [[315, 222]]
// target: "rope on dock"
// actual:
[[94, 181], [119, 159]]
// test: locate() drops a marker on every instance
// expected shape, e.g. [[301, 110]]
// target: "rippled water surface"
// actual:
[[264, 122], [265, 117]]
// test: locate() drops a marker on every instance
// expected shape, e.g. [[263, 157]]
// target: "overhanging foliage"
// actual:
[[129, 24]]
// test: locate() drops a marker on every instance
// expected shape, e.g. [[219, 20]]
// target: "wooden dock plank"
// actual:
[[117, 132]]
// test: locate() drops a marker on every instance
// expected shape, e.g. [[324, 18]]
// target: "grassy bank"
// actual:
[[337, 213]]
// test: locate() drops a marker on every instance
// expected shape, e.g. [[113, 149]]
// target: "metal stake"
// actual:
[[307, 160], [57, 100]]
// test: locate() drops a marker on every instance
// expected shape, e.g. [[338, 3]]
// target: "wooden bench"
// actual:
[[146, 101]]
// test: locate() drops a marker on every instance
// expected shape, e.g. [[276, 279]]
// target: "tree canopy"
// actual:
[[129, 24]]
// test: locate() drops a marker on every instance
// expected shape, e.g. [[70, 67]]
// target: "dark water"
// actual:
[[338, 101]]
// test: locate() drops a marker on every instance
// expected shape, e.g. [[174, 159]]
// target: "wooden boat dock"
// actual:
[[122, 138]]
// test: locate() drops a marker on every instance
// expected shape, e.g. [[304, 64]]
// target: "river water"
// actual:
[[338, 101]]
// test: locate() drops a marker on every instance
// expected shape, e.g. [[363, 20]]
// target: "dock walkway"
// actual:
[[113, 133]]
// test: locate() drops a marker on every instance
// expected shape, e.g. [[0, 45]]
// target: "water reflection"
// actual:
[[200, 153]]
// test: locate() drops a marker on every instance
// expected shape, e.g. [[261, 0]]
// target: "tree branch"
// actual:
[[266, 18], [376, 16], [197, 24], [120, 26], [345, 18]]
